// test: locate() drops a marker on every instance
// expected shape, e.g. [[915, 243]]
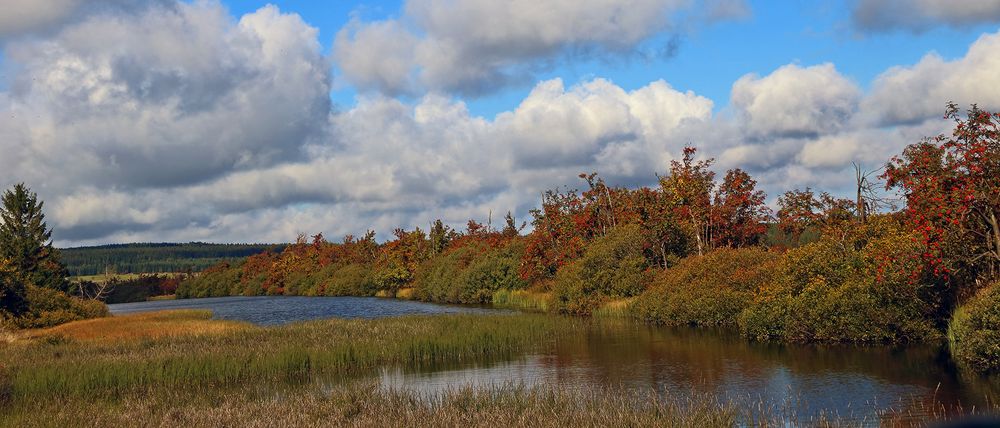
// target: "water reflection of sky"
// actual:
[[857, 384], [272, 310]]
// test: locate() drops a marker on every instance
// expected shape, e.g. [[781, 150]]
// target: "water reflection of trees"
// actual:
[[687, 360]]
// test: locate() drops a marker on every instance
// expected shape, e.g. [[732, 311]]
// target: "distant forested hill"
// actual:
[[155, 258]]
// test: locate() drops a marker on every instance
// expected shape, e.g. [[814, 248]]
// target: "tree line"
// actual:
[[155, 257], [696, 250]]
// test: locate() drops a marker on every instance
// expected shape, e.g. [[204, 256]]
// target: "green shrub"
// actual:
[[437, 279], [48, 307], [350, 280], [861, 284], [470, 274], [488, 272], [709, 290], [974, 333], [613, 266], [217, 281]]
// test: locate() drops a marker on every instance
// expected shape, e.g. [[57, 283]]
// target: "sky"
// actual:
[[248, 121]]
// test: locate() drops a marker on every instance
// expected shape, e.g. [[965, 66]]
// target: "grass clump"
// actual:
[[525, 300]]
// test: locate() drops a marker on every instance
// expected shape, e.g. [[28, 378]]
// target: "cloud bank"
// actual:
[[207, 127], [921, 15]]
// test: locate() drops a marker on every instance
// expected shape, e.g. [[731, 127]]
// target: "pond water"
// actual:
[[273, 310], [852, 382], [855, 383]]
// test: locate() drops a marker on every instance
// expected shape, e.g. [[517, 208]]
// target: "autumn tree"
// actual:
[[739, 215], [440, 236], [689, 185], [951, 184], [511, 228], [26, 241], [798, 210], [561, 228]]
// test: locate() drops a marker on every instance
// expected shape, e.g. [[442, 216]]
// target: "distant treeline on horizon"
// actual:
[[155, 257]]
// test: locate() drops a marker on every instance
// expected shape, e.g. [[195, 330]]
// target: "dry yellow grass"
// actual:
[[149, 325], [405, 293]]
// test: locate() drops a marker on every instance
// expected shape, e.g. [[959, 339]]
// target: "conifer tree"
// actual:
[[25, 240]]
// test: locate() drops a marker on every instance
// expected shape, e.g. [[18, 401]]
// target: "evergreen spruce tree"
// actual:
[[25, 240], [12, 292]]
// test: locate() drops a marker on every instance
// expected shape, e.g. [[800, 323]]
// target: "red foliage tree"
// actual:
[[952, 190], [739, 216]]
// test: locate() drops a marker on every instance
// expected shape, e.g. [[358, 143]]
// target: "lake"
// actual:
[[274, 310], [858, 382]]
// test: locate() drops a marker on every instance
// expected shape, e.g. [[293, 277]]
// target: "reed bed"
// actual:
[[366, 404], [75, 361], [523, 300]]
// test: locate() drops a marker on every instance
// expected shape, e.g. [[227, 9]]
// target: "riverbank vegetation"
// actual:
[[183, 368], [697, 250], [34, 290], [120, 354], [367, 405]]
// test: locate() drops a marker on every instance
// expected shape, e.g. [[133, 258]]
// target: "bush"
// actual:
[[437, 279], [974, 333], [48, 307], [470, 274], [217, 281], [489, 272], [709, 290], [350, 280], [860, 284], [612, 267]]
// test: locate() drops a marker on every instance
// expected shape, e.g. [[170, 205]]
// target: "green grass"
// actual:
[[102, 278], [522, 300], [64, 364]]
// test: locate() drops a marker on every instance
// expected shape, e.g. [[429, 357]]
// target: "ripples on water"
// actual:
[[274, 310], [856, 382]]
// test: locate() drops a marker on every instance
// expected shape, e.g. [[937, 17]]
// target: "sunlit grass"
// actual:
[[522, 300], [142, 326], [620, 308], [119, 354], [405, 293]]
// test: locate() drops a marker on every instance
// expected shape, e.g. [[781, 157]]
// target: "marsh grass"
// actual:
[[143, 326], [118, 355], [405, 293], [524, 300], [620, 308], [366, 404]]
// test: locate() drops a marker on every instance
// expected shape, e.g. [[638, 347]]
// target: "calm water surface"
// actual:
[[856, 382], [273, 310]]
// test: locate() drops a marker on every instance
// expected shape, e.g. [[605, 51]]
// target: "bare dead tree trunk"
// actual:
[[860, 179]]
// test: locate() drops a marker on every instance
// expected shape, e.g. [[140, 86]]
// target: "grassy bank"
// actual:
[[367, 405], [174, 349]]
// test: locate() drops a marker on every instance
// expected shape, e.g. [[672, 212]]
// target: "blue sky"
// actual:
[[708, 60], [237, 121]]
